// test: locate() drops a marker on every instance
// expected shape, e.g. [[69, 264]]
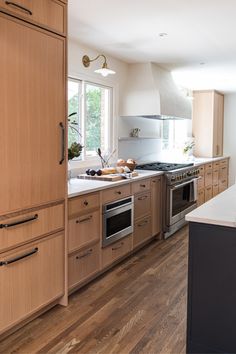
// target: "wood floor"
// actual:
[[137, 307]]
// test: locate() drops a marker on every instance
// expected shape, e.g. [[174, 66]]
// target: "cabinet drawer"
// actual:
[[33, 277], [50, 14], [223, 185], [200, 197], [208, 178], [215, 176], [201, 170], [142, 230], [83, 204], [208, 193], [216, 165], [215, 189], [142, 204], [117, 250], [84, 230], [208, 166], [201, 182], [223, 162], [83, 265], [116, 193], [223, 173], [141, 186], [26, 227]]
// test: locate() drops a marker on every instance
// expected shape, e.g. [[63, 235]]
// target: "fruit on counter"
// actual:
[[99, 172], [121, 161], [131, 161], [92, 172], [87, 171]]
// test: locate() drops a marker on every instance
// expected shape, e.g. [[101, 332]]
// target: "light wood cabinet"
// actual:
[[83, 264], [142, 231], [141, 186], [201, 197], [116, 193], [208, 121], [83, 204], [156, 205], [32, 103], [142, 204], [31, 277], [115, 251], [208, 178], [84, 230], [50, 14], [208, 193], [28, 226]]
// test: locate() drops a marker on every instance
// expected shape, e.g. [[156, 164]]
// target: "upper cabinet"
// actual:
[[32, 111], [208, 122], [50, 14]]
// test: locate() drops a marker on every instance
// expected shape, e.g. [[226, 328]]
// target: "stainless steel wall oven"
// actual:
[[118, 220]]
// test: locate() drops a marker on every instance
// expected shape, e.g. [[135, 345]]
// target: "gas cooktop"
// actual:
[[162, 166]]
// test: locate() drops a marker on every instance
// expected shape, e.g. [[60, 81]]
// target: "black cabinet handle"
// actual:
[[84, 220], [143, 223], [61, 125], [118, 192], [143, 198], [143, 185], [85, 254], [85, 203], [19, 222], [18, 258], [22, 8]]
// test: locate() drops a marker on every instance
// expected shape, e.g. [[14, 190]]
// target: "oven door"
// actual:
[[117, 223], [182, 198]]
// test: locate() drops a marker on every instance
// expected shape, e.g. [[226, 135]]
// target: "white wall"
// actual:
[[230, 133]]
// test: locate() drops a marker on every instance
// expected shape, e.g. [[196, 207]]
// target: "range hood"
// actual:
[[151, 92]]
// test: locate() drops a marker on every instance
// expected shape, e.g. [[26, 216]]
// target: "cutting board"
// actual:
[[108, 178]]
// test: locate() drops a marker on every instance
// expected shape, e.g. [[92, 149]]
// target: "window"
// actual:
[[174, 133], [91, 126]]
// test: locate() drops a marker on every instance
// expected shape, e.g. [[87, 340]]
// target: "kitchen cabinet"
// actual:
[[116, 193], [32, 104], [31, 277], [156, 205], [208, 121], [142, 230], [32, 158], [142, 204], [50, 14], [117, 250]]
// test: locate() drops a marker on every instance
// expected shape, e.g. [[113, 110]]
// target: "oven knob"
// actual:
[[173, 178], [184, 175], [189, 173]]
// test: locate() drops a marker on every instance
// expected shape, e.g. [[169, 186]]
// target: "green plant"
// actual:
[[188, 147], [75, 148]]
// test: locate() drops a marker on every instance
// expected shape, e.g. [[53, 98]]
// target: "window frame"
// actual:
[[83, 160]]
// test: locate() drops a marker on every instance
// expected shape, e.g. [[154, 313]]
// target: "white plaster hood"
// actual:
[[151, 92]]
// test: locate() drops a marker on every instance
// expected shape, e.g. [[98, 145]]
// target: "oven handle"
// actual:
[[185, 183]]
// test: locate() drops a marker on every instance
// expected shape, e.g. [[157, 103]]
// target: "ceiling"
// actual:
[[199, 31]]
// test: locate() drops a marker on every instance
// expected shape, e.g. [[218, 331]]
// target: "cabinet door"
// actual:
[[218, 124], [156, 205], [32, 111], [31, 277]]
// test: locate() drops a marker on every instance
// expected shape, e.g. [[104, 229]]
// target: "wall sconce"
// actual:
[[104, 71]]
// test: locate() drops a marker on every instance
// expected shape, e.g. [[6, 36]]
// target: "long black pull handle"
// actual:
[[18, 258], [19, 222], [62, 143], [19, 7]]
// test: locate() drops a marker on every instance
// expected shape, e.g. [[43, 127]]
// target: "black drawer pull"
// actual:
[[11, 3], [143, 198], [118, 247], [118, 192], [18, 258], [143, 223], [143, 185], [84, 220], [85, 203], [32, 218], [85, 254]]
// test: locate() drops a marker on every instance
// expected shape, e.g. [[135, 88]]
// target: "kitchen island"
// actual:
[[212, 276]]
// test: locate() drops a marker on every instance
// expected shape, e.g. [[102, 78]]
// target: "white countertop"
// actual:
[[220, 210], [82, 186], [202, 160]]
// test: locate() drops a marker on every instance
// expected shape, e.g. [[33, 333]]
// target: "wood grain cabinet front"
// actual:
[[142, 204], [25, 227], [117, 250], [208, 193], [156, 205], [49, 14], [142, 231], [141, 186], [83, 264], [200, 197], [83, 204], [31, 277], [116, 193], [84, 230]]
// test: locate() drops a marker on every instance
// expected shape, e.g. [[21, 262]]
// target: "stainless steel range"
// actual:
[[180, 192]]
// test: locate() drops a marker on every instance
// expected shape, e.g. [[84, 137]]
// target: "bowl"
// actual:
[[130, 165]]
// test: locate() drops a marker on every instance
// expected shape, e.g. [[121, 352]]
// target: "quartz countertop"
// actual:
[[221, 210], [78, 186], [202, 160]]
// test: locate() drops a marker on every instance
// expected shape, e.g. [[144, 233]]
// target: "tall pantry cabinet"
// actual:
[[32, 157]]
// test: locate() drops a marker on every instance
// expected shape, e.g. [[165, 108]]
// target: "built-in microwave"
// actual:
[[118, 220]]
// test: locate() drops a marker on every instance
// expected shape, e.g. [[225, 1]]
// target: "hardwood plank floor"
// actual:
[[137, 307]]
